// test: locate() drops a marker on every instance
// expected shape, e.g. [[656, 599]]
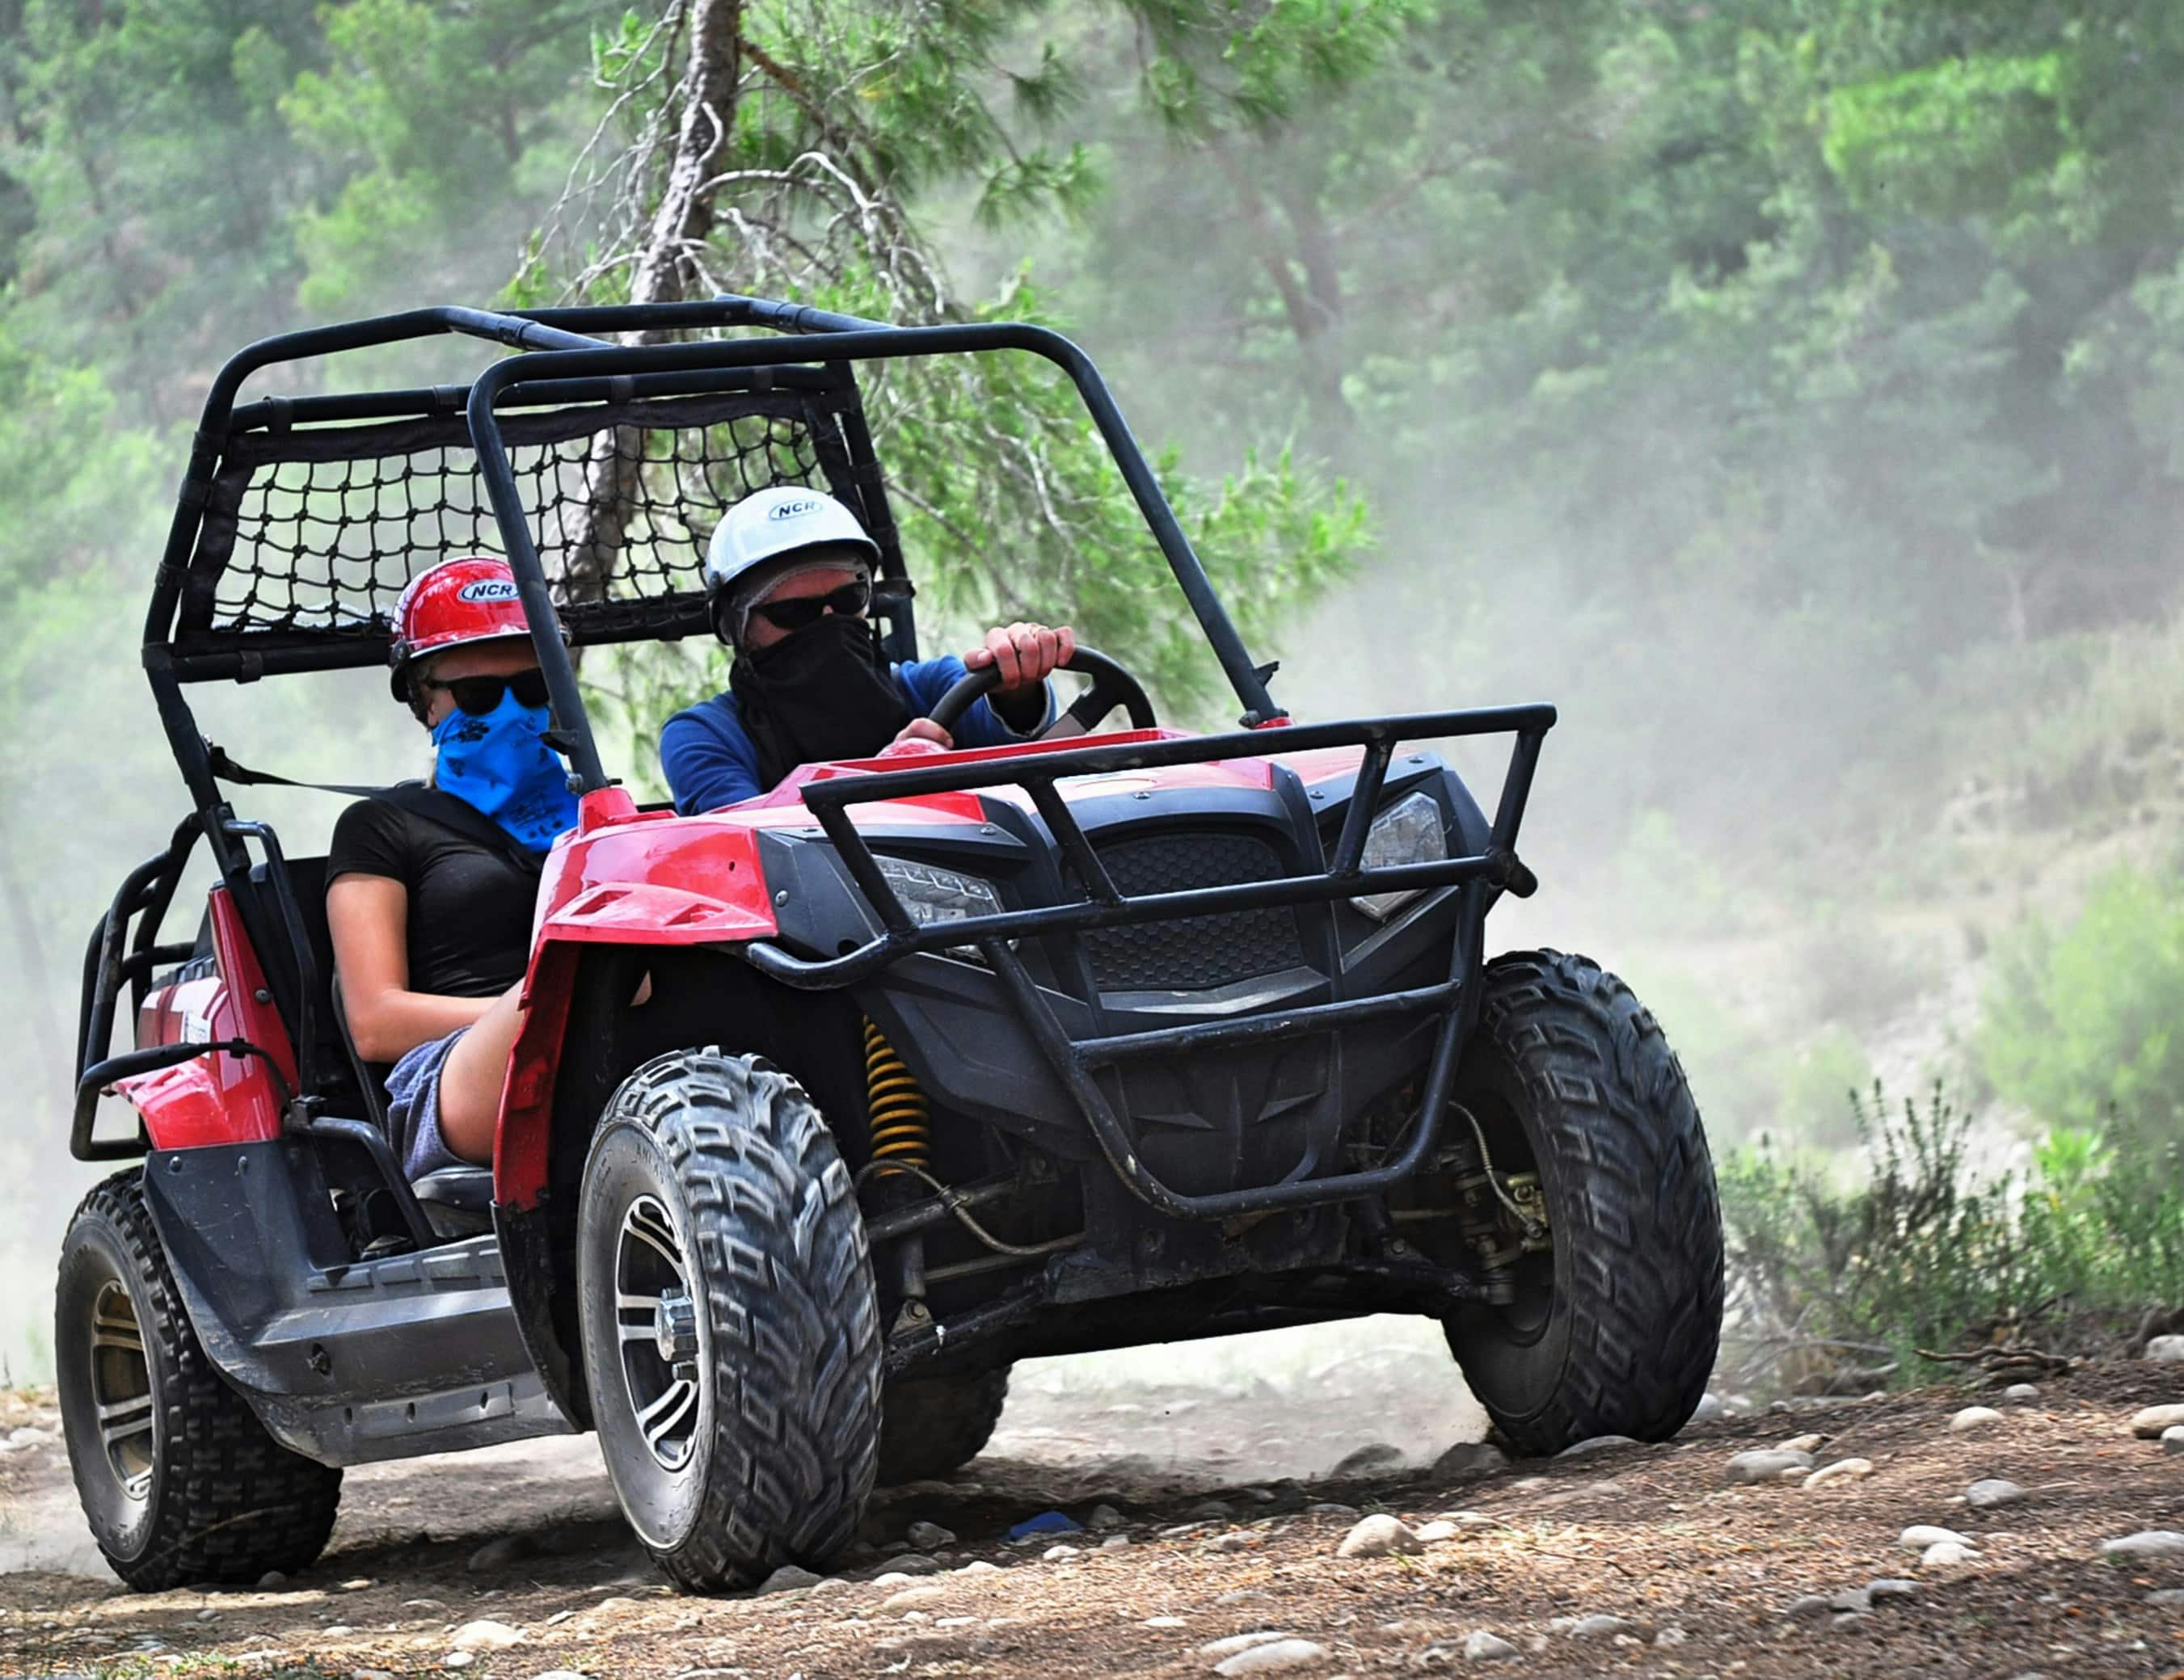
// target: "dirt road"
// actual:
[[1223, 1529]]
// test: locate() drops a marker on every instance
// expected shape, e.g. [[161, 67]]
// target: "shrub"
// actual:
[[2084, 1028], [1926, 1253]]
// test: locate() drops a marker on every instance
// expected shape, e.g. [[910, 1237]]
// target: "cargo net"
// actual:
[[326, 544]]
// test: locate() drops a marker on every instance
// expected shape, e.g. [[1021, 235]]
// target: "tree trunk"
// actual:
[[663, 274]]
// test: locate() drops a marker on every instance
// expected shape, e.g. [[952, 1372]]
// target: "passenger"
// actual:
[[431, 889], [788, 573]]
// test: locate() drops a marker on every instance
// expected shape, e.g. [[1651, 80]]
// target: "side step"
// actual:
[[345, 1363]]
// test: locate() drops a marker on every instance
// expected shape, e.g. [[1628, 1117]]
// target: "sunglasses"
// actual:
[[850, 601], [479, 695]]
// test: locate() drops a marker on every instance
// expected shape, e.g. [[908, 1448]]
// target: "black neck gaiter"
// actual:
[[822, 695]]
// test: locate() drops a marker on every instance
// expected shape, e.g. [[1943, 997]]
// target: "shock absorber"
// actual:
[[902, 1118]]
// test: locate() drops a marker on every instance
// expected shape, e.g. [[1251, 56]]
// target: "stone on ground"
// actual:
[[2024, 1393], [486, 1636], [1590, 1626], [1991, 1493], [1709, 1408], [2166, 1351], [930, 1537], [2151, 1424], [1946, 1554], [1237, 1641], [2172, 1438], [1471, 1458], [1367, 1460], [2147, 1543], [1920, 1535], [1842, 1470], [1891, 1591], [1803, 1444], [1281, 1657], [2168, 1598], [788, 1578], [1377, 1537], [1766, 1464], [1597, 1444], [1973, 1417], [1481, 1646]]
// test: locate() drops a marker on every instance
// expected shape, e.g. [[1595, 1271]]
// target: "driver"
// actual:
[[788, 576]]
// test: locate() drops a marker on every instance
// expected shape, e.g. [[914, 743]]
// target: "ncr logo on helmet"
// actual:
[[487, 589], [795, 510]]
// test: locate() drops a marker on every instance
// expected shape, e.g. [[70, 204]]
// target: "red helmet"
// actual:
[[451, 605]]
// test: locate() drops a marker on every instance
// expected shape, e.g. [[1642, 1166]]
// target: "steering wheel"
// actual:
[[1111, 687]]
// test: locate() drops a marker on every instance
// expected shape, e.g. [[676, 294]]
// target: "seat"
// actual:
[[455, 1201]]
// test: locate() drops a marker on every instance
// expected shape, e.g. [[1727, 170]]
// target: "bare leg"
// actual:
[[469, 1083]]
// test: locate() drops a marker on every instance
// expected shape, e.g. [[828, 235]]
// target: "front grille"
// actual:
[[1198, 951]]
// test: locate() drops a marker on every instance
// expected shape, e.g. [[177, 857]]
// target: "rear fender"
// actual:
[[218, 1098]]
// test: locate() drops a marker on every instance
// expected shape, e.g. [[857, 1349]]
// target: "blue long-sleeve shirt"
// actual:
[[710, 759]]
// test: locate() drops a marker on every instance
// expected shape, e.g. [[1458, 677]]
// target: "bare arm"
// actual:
[[369, 917]]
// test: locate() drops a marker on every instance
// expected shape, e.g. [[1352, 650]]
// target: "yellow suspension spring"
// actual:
[[901, 1117]]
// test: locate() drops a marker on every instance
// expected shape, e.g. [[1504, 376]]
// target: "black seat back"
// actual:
[[346, 1080]]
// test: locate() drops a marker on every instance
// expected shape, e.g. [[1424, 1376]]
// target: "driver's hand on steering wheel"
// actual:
[[919, 734], [1025, 655]]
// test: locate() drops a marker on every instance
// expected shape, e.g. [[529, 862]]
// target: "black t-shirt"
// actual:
[[470, 905]]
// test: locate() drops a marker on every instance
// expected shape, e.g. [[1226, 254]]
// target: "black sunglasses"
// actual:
[[479, 695], [850, 601]]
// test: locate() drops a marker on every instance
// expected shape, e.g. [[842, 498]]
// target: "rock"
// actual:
[[1810, 1608], [1766, 1464], [788, 1578], [1944, 1553], [1851, 1601], [928, 1536], [1848, 1620], [1433, 1533], [2172, 1438], [559, 1674], [2147, 1543], [1802, 1444], [2149, 1425], [913, 1598], [457, 1660], [272, 1581], [1367, 1461], [2165, 1350], [1920, 1535], [1597, 1444], [1889, 1590], [1329, 1509], [1471, 1458], [1842, 1470], [1670, 1635], [1104, 1517], [1481, 1646], [2167, 1597], [914, 1563], [1708, 1408], [1236, 1540], [1057, 1554], [1377, 1537], [1991, 1493], [1234, 1643], [498, 1553], [1281, 1657], [1211, 1511], [1973, 1417], [978, 1565], [357, 1585], [1116, 1543], [1164, 1622], [1590, 1626], [486, 1636], [2024, 1393]]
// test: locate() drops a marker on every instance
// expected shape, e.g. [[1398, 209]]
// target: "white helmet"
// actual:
[[772, 524]]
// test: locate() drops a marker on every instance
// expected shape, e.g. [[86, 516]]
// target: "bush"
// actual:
[[2084, 1028], [1927, 1254]]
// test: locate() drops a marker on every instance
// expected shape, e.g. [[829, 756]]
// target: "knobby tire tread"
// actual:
[[233, 1502], [932, 1426], [1634, 1195], [795, 1319]]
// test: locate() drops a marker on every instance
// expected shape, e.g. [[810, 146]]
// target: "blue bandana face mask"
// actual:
[[499, 764]]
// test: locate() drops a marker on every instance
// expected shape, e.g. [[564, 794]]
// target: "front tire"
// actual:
[[180, 1480], [1615, 1331], [730, 1326]]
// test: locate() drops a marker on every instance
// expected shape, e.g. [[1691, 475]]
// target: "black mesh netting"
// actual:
[[317, 531]]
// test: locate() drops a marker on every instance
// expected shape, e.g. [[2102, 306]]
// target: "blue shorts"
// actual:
[[413, 1108]]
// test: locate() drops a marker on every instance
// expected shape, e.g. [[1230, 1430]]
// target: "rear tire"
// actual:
[[933, 1427], [730, 1327], [1614, 1333], [180, 1480]]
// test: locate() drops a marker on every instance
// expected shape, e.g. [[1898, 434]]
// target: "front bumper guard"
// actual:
[[1478, 875]]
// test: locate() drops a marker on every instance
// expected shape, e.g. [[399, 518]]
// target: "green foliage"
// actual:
[[1969, 137], [2084, 1027], [1929, 1252]]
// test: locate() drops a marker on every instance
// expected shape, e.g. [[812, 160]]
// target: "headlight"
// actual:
[[941, 895], [1409, 831]]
